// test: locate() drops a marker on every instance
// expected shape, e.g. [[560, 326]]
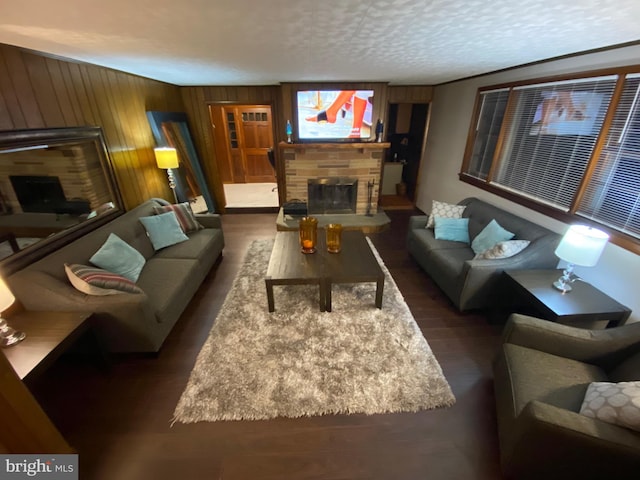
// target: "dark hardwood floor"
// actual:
[[120, 420]]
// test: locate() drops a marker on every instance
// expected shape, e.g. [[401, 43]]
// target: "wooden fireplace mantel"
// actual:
[[335, 146]]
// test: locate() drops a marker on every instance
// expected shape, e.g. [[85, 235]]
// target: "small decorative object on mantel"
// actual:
[[308, 234], [379, 130], [289, 132], [334, 237]]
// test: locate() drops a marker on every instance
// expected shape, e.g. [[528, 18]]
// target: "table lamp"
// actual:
[[167, 159], [582, 246], [8, 336]]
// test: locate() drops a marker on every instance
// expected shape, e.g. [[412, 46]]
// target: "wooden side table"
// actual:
[[534, 294], [49, 335]]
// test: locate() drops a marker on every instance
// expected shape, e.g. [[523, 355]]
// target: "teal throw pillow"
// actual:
[[489, 236], [163, 230], [454, 229], [117, 256]]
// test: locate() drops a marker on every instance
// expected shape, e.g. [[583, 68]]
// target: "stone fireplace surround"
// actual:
[[359, 161]]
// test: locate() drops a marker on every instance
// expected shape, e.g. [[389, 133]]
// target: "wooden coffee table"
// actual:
[[354, 264], [289, 266]]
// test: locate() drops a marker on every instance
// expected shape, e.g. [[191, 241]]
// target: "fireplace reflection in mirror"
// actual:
[[332, 195], [55, 184]]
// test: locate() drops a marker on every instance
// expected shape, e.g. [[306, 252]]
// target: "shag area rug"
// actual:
[[298, 361]]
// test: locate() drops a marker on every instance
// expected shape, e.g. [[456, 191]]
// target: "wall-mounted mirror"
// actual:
[[55, 185], [171, 129]]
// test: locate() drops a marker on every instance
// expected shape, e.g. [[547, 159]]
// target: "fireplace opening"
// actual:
[[332, 195]]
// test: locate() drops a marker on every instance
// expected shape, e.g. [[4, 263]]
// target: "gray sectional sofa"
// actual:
[[474, 283], [127, 322]]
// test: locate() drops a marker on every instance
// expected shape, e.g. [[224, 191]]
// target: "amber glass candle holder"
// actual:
[[334, 237], [308, 234]]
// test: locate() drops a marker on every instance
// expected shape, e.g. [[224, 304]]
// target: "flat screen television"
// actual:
[[334, 115]]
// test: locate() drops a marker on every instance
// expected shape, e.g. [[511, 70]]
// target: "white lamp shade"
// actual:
[[166, 157], [6, 297], [582, 245]]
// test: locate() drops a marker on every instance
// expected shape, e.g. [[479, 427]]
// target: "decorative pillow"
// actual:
[[444, 210], [489, 236], [184, 214], [504, 249], [454, 229], [163, 230], [117, 256], [96, 281], [617, 403]]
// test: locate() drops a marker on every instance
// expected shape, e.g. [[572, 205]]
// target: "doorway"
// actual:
[[243, 137], [407, 128]]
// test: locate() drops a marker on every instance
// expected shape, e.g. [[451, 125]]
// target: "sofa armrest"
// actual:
[[209, 220], [600, 347], [418, 221], [546, 439]]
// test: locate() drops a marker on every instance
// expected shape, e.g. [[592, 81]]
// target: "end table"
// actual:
[[534, 294]]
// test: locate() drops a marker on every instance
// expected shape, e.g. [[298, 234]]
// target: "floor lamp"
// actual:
[[167, 159]]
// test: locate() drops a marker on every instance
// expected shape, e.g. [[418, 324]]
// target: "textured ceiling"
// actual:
[[261, 42]]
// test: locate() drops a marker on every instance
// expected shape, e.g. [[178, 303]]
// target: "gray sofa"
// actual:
[[541, 375], [474, 283], [126, 322]]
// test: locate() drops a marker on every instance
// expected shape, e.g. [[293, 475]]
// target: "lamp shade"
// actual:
[[6, 297], [166, 157], [582, 245]]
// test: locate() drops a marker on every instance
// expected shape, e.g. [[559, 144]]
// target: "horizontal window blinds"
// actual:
[[492, 107], [612, 196], [552, 129]]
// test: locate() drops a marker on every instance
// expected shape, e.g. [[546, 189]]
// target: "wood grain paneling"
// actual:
[[410, 94], [37, 91], [197, 100]]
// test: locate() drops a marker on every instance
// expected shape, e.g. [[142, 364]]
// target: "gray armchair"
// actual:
[[541, 375]]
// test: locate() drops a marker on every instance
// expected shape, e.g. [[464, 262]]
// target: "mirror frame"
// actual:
[[19, 139]]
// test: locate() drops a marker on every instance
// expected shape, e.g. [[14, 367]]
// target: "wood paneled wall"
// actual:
[[37, 91], [197, 100], [410, 94]]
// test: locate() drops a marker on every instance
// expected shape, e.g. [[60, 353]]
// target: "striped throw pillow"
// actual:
[[96, 281], [185, 216]]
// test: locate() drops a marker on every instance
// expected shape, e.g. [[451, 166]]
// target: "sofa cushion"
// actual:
[[169, 283], [617, 403], [489, 236], [444, 210], [504, 250], [184, 214], [96, 281], [164, 230], [200, 243], [117, 256], [453, 229], [558, 381]]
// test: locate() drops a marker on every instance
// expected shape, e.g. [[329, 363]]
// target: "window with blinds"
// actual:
[[492, 107], [612, 195], [570, 146]]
